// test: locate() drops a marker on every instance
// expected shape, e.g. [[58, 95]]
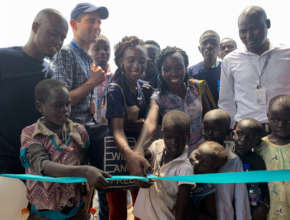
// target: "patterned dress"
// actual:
[[191, 105], [277, 157]]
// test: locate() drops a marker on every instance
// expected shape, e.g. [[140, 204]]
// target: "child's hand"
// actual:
[[96, 177]]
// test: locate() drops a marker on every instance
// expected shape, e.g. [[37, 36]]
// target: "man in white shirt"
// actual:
[[251, 77]]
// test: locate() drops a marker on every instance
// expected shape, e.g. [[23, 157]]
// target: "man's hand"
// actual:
[[137, 165], [97, 75], [95, 177]]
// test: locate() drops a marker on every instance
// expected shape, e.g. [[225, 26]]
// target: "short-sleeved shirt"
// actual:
[[115, 100], [19, 74], [191, 105], [158, 201], [277, 157], [46, 195], [71, 66]]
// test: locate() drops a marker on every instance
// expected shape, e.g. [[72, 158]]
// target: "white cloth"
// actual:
[[232, 198], [158, 201], [240, 77]]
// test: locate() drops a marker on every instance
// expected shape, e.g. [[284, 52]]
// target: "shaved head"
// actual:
[[213, 149], [209, 157], [49, 29], [47, 13], [218, 115], [253, 29], [254, 11]]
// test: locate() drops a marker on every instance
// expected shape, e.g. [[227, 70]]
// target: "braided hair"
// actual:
[[120, 48], [165, 53]]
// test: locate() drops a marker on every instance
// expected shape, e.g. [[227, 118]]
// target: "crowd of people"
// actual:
[[227, 113]]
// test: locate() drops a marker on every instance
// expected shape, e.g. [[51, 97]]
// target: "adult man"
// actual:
[[73, 66], [251, 77], [21, 68], [227, 45], [210, 68]]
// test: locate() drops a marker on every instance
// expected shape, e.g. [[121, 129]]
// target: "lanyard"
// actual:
[[263, 70], [85, 62]]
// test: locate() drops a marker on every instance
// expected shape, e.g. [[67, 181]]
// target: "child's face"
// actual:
[[100, 52], [215, 131], [57, 107], [174, 142], [173, 70], [202, 163], [279, 121], [245, 139], [134, 63]]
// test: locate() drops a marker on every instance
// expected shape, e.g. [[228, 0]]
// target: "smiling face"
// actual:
[[133, 63], [173, 70], [87, 27], [174, 141], [57, 107], [253, 29]]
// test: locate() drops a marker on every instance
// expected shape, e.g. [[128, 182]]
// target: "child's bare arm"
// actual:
[[39, 161], [94, 176], [182, 201]]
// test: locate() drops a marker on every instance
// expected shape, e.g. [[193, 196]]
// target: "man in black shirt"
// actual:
[[21, 68]]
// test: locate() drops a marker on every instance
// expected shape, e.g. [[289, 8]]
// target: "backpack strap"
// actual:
[[203, 89], [122, 92]]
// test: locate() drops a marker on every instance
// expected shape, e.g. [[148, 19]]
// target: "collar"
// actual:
[[160, 147], [41, 129], [215, 65], [79, 49], [271, 47]]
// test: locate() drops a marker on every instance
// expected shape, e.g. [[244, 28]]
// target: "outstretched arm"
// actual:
[[39, 161], [137, 165], [148, 129]]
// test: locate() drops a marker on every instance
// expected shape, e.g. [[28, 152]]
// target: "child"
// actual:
[[232, 198], [53, 146], [275, 150], [166, 199], [127, 105], [100, 53], [209, 157], [247, 136]]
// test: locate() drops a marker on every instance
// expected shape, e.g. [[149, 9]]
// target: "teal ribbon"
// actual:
[[234, 177], [46, 178]]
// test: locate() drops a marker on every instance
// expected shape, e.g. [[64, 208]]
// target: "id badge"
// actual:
[[261, 96]]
